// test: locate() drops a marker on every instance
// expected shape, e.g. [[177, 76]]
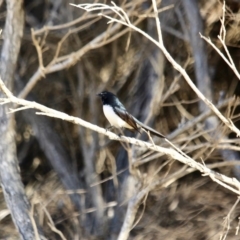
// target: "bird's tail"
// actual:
[[149, 129]]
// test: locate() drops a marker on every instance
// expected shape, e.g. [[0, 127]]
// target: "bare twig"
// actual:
[[168, 151], [221, 37], [66, 61], [159, 43], [51, 223], [62, 62], [227, 220], [124, 20]]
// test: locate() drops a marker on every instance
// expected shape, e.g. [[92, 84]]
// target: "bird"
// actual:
[[119, 117]]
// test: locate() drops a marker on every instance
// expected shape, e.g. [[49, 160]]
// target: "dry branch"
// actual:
[[160, 44], [66, 61], [201, 66], [168, 151], [222, 35], [89, 149], [124, 20], [59, 63]]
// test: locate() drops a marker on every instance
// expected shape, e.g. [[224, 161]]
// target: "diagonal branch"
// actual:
[[161, 46], [222, 35], [230, 183]]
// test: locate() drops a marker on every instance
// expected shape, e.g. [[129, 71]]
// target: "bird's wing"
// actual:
[[128, 118]]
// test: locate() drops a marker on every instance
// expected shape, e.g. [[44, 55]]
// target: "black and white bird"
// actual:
[[118, 116]]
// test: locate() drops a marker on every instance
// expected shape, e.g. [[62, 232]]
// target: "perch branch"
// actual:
[[175, 154], [160, 45]]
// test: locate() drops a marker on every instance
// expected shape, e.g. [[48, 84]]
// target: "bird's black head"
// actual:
[[107, 97]]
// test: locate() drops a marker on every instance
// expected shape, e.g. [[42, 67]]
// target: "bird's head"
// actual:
[[106, 96]]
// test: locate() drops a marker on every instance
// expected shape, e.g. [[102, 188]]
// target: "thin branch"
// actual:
[[227, 220], [66, 61], [221, 37], [178, 67], [71, 59], [174, 154]]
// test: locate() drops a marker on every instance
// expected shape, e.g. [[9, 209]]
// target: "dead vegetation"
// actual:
[[80, 184]]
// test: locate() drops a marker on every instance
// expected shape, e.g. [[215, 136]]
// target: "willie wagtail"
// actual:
[[118, 116]]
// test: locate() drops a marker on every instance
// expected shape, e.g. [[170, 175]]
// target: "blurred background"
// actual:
[[80, 182]]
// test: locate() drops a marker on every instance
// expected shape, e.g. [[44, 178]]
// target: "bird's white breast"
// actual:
[[113, 118]]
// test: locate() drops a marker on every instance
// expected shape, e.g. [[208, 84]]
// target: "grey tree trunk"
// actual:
[[9, 171]]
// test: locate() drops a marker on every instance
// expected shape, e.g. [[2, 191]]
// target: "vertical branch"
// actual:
[[202, 72], [94, 223], [9, 171], [199, 50]]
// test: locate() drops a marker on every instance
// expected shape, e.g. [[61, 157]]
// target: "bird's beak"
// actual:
[[99, 94]]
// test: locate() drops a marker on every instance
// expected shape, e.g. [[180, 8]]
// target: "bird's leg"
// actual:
[[125, 145], [121, 132], [109, 128]]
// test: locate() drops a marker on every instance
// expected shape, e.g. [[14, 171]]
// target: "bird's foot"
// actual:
[[109, 128]]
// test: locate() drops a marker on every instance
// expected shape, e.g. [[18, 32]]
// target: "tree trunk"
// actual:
[[11, 183]]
